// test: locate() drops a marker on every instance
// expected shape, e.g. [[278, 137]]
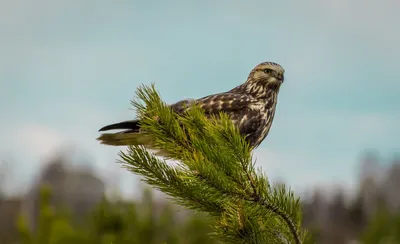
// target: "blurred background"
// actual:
[[68, 68]]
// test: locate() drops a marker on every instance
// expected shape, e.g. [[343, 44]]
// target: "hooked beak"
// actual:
[[281, 78]]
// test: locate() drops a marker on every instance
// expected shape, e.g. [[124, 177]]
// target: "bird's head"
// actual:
[[264, 80], [267, 74]]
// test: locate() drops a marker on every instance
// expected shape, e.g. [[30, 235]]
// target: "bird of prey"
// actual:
[[250, 106]]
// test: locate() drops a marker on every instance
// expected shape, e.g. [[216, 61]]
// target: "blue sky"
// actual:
[[69, 67]]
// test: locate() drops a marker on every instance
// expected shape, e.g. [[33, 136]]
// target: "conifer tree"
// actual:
[[215, 173]]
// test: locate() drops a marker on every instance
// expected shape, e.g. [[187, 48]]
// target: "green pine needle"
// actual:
[[216, 174]]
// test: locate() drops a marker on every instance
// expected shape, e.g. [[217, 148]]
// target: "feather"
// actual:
[[132, 125], [125, 139], [250, 106], [129, 136]]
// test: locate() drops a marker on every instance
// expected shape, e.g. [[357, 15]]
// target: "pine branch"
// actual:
[[216, 173]]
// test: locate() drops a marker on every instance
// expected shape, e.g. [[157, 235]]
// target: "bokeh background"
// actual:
[[69, 67]]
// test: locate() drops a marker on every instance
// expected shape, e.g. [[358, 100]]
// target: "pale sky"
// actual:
[[69, 67]]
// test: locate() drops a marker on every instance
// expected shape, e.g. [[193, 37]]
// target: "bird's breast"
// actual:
[[257, 106]]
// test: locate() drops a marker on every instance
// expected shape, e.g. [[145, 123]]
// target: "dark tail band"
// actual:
[[132, 125]]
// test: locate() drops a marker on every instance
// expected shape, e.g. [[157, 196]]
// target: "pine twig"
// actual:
[[215, 175]]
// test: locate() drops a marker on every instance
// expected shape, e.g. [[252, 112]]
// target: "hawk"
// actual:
[[251, 107]]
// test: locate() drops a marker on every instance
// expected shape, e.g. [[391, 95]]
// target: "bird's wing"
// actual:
[[223, 102], [234, 104], [237, 106]]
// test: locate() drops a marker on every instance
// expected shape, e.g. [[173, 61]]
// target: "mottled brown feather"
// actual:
[[251, 106]]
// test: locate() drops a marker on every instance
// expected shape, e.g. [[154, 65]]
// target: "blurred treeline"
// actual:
[[70, 206]]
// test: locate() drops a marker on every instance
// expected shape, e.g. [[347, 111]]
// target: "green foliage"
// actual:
[[216, 174], [115, 222], [51, 228], [383, 228]]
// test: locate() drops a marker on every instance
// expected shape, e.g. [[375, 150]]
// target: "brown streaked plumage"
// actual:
[[251, 106]]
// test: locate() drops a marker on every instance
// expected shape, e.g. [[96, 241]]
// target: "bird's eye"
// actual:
[[268, 71]]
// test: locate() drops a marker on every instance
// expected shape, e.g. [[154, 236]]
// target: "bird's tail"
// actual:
[[130, 134]]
